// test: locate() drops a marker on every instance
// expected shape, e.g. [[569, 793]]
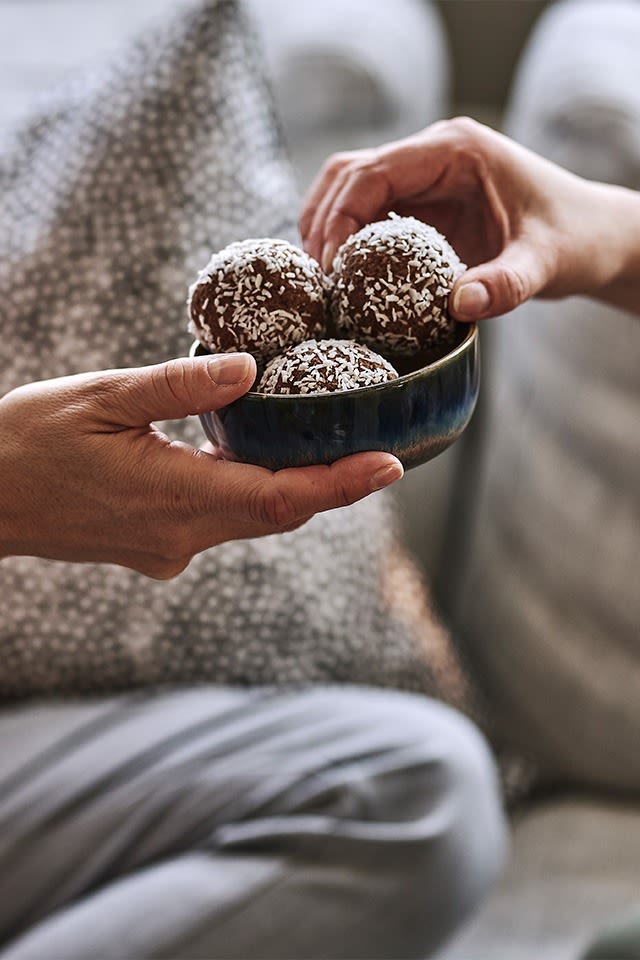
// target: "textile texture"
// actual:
[[338, 822]]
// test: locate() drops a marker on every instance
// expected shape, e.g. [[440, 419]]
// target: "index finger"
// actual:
[[319, 188], [367, 185], [323, 214]]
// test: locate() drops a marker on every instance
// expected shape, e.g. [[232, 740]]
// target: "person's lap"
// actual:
[[234, 822]]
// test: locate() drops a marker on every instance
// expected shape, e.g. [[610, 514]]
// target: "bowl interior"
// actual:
[[420, 364]]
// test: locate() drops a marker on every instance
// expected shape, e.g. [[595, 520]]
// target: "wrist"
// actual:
[[614, 275]]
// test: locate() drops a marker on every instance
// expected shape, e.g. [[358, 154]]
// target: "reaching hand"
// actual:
[[523, 225], [86, 476]]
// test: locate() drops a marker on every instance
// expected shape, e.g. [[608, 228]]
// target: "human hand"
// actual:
[[86, 475], [523, 225]]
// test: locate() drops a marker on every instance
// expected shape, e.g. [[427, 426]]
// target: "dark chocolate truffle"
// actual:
[[324, 366], [259, 295], [391, 284]]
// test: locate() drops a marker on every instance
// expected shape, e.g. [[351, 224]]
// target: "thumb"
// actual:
[[177, 388], [500, 285]]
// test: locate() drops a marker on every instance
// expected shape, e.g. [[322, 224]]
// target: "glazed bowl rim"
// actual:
[[254, 396]]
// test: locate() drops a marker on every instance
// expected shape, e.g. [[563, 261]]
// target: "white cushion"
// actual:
[[551, 615]]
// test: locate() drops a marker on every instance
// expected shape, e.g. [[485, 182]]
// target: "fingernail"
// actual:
[[386, 476], [230, 368], [326, 260], [471, 299]]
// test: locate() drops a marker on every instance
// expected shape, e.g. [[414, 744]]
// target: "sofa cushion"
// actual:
[[345, 68], [573, 869], [551, 606]]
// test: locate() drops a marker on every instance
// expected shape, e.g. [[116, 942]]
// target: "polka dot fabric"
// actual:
[[113, 198]]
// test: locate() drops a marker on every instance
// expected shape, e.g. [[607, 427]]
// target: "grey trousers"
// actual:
[[224, 823]]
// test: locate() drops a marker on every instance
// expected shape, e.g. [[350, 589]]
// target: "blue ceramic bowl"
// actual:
[[415, 417]]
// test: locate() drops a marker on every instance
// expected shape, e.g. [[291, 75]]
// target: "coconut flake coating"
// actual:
[[391, 284], [259, 295], [325, 366]]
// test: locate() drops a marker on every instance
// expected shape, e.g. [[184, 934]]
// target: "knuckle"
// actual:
[[465, 136], [176, 541], [273, 507], [515, 288], [367, 167], [465, 125], [337, 161], [172, 537], [179, 509], [347, 164], [165, 569], [334, 220], [171, 378], [173, 543], [344, 493], [290, 527], [464, 129], [108, 393]]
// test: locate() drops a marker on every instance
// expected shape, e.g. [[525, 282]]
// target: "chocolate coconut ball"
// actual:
[[324, 366], [392, 281], [258, 295]]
